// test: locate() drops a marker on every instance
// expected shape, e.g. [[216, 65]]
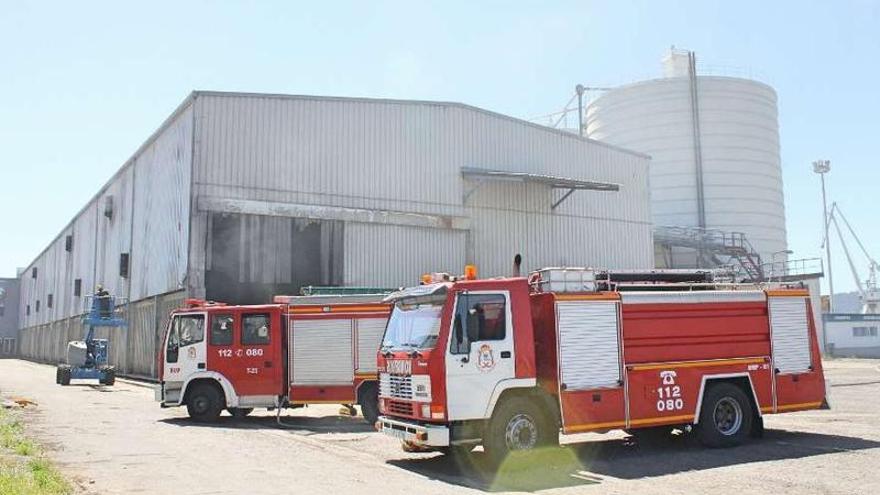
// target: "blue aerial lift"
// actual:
[[87, 359]]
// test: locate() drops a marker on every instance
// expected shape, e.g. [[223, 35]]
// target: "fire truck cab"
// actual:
[[509, 363], [300, 350]]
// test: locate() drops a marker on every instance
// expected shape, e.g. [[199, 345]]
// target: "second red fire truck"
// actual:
[[509, 363], [301, 350]]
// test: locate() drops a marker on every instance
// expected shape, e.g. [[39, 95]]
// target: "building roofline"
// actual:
[[195, 94], [152, 138], [394, 101]]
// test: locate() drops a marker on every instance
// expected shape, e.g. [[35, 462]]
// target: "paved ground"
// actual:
[[117, 440]]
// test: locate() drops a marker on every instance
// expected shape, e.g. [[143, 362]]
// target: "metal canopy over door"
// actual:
[[790, 331]]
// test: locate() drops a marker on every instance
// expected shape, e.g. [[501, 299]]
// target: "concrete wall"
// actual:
[[133, 350]]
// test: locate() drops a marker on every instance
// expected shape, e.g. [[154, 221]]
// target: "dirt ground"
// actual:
[[116, 440]]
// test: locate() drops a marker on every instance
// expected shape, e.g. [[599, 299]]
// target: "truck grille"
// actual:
[[395, 386], [399, 408]]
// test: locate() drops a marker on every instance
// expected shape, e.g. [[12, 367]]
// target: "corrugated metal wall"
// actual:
[[133, 350], [407, 157], [144, 211], [149, 220]]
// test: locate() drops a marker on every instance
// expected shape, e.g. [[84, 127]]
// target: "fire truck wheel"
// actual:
[[518, 425], [204, 403], [725, 417], [369, 402], [240, 412]]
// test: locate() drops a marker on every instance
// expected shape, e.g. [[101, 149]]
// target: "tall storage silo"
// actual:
[[714, 144]]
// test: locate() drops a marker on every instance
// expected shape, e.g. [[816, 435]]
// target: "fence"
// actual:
[[133, 349]]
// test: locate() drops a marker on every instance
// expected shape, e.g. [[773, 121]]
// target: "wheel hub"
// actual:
[[521, 433], [728, 416]]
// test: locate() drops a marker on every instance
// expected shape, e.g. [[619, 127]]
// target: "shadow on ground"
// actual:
[[590, 463], [304, 425]]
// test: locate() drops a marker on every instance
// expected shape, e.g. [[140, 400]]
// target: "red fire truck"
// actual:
[[300, 350], [508, 363]]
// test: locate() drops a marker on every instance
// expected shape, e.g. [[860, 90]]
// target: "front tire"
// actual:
[[517, 427], [204, 403], [725, 417]]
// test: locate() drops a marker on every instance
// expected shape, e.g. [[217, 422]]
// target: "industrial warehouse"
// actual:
[[239, 197], [443, 248]]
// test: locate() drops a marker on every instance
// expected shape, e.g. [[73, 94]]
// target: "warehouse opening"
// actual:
[[251, 258]]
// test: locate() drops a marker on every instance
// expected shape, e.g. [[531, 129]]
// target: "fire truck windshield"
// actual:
[[413, 325]]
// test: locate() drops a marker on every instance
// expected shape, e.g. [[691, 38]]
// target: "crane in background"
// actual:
[[868, 291]]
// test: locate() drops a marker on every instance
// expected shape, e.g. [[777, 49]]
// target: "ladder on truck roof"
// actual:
[[578, 279]]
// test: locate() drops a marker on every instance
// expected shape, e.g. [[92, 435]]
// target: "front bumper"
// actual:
[[424, 435]]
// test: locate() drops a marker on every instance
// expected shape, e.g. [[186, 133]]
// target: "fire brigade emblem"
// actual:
[[485, 359], [191, 352]]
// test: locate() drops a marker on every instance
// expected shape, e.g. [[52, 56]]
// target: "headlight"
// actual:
[[426, 410]]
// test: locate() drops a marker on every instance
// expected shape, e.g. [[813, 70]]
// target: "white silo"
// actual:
[[714, 143]]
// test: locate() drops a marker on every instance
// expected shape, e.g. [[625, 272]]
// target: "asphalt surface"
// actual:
[[116, 440]]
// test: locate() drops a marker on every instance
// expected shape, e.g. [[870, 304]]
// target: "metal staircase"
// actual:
[[715, 248]]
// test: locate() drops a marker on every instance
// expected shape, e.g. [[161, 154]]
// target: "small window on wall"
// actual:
[[68, 243], [27, 310], [34, 272], [221, 330], [2, 310], [123, 265], [38, 306], [255, 329], [864, 331], [49, 301], [77, 287]]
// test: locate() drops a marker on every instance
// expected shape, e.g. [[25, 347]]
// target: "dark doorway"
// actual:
[[252, 258]]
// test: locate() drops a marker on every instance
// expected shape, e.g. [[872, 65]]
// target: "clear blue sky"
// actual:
[[84, 83]]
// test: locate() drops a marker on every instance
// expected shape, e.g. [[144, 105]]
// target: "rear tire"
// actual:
[[204, 403], [240, 412], [62, 375], [369, 402], [726, 416], [517, 427]]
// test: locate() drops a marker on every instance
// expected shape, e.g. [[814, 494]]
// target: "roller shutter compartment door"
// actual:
[[322, 352], [369, 334], [589, 349], [790, 330]]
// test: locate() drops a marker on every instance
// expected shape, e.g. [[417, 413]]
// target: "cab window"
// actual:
[[221, 330], [185, 330], [478, 317], [255, 329], [191, 329]]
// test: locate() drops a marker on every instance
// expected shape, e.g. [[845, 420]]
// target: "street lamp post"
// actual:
[[822, 167]]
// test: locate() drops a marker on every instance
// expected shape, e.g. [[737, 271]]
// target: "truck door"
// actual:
[[480, 352], [185, 351], [244, 347]]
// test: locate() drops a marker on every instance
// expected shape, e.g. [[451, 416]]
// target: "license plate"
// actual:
[[396, 433]]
